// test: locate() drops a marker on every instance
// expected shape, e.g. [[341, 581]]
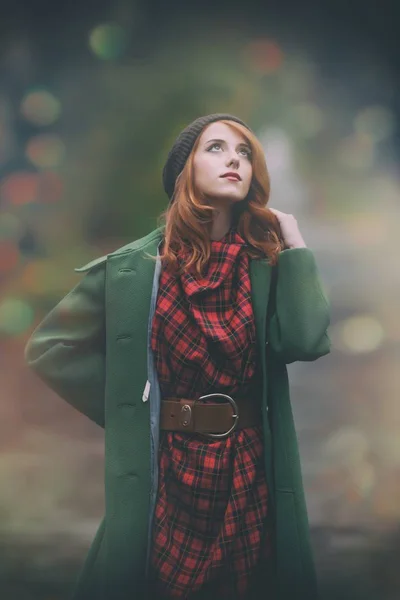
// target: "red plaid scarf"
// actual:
[[210, 520], [203, 335]]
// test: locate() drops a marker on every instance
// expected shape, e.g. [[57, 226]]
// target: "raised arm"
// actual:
[[67, 349], [300, 313]]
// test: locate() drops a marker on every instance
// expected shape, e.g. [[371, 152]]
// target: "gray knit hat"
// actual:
[[183, 145]]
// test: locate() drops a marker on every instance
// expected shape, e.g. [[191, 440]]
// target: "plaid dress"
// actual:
[[210, 525]]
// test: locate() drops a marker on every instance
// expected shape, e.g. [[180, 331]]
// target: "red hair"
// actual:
[[188, 219]]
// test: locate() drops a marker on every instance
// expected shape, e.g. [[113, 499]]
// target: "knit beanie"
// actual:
[[183, 145]]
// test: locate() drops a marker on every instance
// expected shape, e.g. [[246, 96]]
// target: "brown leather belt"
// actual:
[[212, 419]]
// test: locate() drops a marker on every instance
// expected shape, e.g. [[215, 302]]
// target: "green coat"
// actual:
[[92, 350]]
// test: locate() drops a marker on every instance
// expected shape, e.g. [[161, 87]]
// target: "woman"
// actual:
[[203, 493]]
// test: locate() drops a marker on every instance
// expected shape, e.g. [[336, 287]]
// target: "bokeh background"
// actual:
[[92, 95]]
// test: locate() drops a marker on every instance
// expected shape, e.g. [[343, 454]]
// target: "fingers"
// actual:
[[279, 213]]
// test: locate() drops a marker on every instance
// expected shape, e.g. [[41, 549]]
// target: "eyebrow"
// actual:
[[223, 141]]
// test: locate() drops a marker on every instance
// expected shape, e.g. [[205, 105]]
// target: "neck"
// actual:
[[221, 224]]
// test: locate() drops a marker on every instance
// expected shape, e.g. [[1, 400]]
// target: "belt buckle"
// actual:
[[235, 415]]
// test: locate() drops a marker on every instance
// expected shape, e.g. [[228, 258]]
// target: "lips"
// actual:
[[232, 175]]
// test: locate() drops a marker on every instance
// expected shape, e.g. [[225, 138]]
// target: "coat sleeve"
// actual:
[[67, 349], [300, 313]]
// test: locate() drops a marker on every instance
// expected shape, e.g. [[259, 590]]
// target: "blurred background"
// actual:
[[92, 95]]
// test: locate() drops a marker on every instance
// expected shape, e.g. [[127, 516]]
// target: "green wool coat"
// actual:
[[92, 350]]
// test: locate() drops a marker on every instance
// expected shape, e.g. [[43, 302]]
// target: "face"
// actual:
[[222, 150]]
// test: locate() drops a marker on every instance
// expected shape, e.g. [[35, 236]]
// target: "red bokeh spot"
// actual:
[[9, 256], [265, 56], [20, 188]]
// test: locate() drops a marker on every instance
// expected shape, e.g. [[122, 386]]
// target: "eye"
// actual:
[[247, 152], [213, 146]]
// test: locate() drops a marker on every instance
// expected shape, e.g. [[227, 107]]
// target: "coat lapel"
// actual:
[[127, 432], [260, 277]]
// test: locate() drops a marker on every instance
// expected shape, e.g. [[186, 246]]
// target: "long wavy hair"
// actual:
[[188, 219]]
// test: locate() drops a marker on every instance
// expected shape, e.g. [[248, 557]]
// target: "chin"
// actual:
[[226, 197]]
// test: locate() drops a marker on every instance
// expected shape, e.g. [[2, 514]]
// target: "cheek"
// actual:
[[201, 172], [249, 175]]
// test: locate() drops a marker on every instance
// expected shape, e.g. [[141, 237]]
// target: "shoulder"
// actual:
[[143, 242]]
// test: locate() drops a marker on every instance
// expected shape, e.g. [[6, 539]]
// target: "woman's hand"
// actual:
[[290, 229]]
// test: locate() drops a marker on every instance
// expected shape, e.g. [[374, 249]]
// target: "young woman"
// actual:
[[177, 345]]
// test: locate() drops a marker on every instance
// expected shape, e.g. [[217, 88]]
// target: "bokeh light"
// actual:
[[23, 188], [376, 121], [45, 150], [40, 107], [358, 334], [108, 41], [263, 56], [307, 119], [9, 256], [19, 188], [16, 316]]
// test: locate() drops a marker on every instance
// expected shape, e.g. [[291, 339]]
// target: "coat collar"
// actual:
[[134, 252], [260, 273]]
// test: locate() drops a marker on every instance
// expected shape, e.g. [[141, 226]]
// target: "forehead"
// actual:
[[223, 132]]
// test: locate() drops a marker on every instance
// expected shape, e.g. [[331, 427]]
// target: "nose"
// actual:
[[233, 160]]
